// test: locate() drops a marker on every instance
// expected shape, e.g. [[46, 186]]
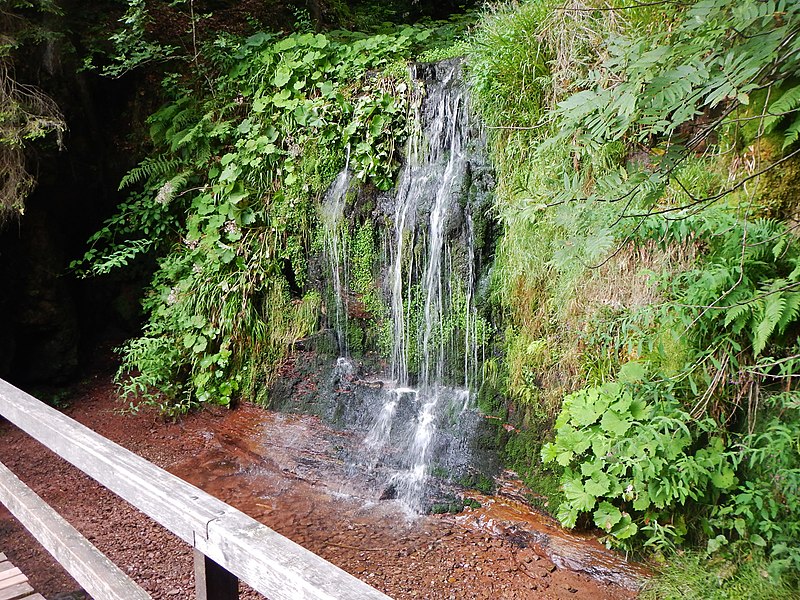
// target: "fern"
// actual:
[[774, 306], [120, 256], [737, 316], [788, 102], [791, 134], [149, 167], [791, 311]]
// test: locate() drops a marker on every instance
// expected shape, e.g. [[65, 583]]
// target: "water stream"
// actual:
[[335, 240], [432, 270]]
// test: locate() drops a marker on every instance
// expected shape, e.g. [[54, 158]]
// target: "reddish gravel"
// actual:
[[262, 463]]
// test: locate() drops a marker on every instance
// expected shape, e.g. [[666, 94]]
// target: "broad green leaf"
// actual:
[[632, 372], [285, 44], [716, 543], [642, 502], [598, 486], [200, 345], [282, 77], [625, 529], [549, 452], [614, 423], [567, 515], [577, 496], [724, 480], [582, 407], [638, 409], [606, 516]]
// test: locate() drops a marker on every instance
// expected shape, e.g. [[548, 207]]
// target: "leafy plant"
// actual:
[[764, 510], [228, 199], [635, 460]]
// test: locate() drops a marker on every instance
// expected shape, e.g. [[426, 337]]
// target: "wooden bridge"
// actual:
[[228, 544], [13, 583]]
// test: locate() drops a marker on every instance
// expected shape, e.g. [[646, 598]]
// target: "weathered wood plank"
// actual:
[[13, 579], [267, 561], [90, 568], [3, 557], [18, 591], [5, 566], [12, 572]]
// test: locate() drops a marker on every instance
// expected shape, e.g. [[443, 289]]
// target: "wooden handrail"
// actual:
[[264, 559], [88, 566]]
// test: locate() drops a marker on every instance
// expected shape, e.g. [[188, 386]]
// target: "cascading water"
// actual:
[[336, 250], [432, 280]]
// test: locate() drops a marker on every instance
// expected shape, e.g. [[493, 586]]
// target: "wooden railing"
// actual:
[[229, 545]]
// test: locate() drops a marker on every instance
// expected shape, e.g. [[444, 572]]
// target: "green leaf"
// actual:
[[598, 486], [285, 44], [724, 480], [582, 407], [632, 372], [642, 502], [615, 423], [638, 409], [200, 345], [549, 452], [567, 515], [625, 529], [282, 77], [577, 496], [606, 516], [716, 543]]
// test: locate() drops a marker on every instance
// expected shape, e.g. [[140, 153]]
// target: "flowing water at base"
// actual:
[[287, 471]]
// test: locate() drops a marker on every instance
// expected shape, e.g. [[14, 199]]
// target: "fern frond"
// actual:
[[791, 134], [149, 167], [737, 316], [773, 310], [788, 102], [791, 311]]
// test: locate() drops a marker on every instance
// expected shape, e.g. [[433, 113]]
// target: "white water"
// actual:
[[426, 201], [336, 250]]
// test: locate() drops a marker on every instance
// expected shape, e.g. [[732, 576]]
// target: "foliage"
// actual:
[[131, 45], [228, 199], [26, 112], [666, 91], [632, 176], [691, 575], [636, 460], [764, 510], [747, 282]]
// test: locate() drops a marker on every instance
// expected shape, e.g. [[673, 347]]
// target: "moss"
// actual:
[[777, 195]]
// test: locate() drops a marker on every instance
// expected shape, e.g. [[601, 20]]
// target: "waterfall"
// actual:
[[431, 284], [335, 242]]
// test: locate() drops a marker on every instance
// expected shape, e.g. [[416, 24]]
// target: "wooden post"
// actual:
[[212, 582]]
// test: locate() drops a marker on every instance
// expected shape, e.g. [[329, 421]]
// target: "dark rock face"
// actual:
[[49, 319]]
